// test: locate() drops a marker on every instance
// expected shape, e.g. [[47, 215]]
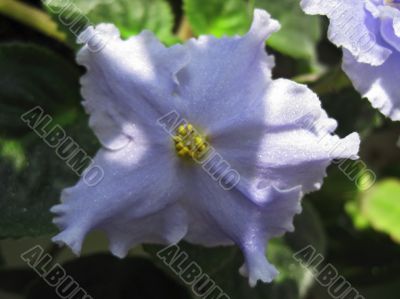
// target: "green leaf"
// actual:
[[32, 17], [130, 16], [30, 76], [381, 206], [297, 38], [32, 174], [299, 33], [217, 17], [353, 210]]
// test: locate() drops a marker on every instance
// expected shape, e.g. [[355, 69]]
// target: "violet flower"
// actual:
[[161, 187]]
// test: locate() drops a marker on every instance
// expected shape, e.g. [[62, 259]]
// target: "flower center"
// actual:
[[189, 143], [393, 3]]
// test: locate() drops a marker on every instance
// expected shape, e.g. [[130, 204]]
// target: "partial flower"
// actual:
[[369, 32], [164, 115]]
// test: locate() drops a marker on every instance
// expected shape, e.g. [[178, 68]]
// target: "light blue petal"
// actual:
[[274, 133], [129, 84], [280, 145], [378, 84], [387, 12], [372, 64], [352, 27], [167, 226], [284, 140], [388, 34], [379, 9], [247, 224], [224, 74], [139, 182]]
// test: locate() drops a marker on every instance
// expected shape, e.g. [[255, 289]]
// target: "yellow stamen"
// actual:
[[183, 152], [179, 146], [198, 140], [189, 143], [177, 139], [182, 130]]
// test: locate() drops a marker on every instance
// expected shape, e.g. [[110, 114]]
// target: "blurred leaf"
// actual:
[[32, 174], [222, 263], [353, 210], [16, 280], [104, 276], [297, 38], [352, 112], [332, 82], [299, 34], [380, 150], [217, 17], [31, 17], [130, 16], [335, 192], [12, 151], [2, 261], [31, 76], [308, 230], [388, 290], [292, 278], [381, 206], [237, 287]]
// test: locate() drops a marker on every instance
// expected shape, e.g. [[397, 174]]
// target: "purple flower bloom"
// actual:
[[369, 32], [156, 189]]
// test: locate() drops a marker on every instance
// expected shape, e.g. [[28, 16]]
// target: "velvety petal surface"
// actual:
[[291, 145], [225, 74], [273, 133], [352, 27], [135, 202], [281, 147], [385, 11], [388, 34], [129, 84], [371, 62], [248, 225], [378, 84]]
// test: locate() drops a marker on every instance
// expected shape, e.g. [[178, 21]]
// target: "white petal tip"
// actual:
[[96, 38], [347, 148], [58, 209], [264, 272], [266, 276], [243, 271], [118, 251], [74, 245], [263, 25]]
